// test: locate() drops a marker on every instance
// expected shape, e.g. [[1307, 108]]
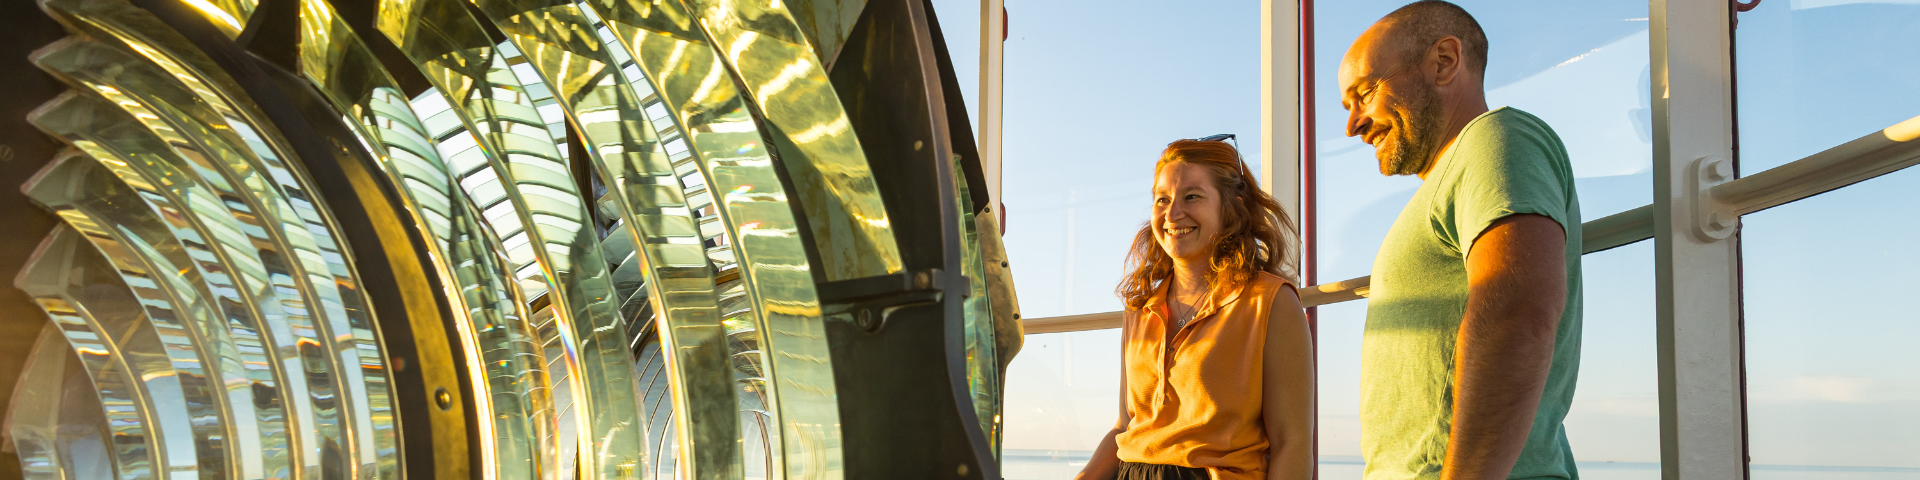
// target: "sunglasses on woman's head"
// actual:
[[1224, 137]]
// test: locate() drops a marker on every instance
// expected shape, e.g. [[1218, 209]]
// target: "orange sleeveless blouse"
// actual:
[[1196, 401]]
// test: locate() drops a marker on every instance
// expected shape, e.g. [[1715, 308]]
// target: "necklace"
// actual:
[[1180, 318]]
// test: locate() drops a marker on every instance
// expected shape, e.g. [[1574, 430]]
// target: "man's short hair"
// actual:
[[1420, 24]]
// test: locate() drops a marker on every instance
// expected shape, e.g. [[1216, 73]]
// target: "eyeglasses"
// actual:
[[1221, 137], [1225, 137], [1218, 137]]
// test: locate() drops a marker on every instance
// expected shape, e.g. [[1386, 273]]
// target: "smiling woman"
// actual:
[[1208, 314]]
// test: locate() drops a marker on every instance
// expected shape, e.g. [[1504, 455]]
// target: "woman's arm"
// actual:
[[1105, 464], [1287, 389]]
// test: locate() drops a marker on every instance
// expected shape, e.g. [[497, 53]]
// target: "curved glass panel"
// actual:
[[774, 306], [734, 305], [194, 135], [280, 191], [656, 213], [517, 399], [230, 16], [983, 362], [113, 194], [179, 328], [54, 420], [58, 279], [291, 289], [816, 144], [156, 349], [554, 233], [827, 23]]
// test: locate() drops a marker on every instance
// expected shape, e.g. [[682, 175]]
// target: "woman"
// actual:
[[1218, 380]]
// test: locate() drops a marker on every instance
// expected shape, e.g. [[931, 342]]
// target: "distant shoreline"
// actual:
[[1080, 456]]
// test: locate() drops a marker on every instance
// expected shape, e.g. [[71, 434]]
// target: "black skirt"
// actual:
[[1148, 471]]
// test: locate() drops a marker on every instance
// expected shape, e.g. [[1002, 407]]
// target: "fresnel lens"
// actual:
[[515, 239]]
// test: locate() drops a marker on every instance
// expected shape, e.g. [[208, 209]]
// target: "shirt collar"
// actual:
[[1159, 299]]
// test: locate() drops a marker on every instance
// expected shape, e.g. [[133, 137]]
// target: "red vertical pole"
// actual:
[[1309, 214]]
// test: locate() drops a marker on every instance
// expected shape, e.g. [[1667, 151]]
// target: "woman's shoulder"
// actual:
[[1267, 283], [1262, 287]]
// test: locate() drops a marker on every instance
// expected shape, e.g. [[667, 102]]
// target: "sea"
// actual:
[[1062, 465]]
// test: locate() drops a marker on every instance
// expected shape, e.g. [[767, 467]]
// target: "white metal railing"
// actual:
[[1869, 156], [1872, 155]]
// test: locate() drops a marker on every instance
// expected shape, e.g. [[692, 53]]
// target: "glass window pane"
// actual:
[[1614, 426], [960, 25], [1582, 67], [1063, 395], [1817, 73], [1833, 380], [1093, 96]]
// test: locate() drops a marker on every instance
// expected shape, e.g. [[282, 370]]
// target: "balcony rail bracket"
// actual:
[[1712, 221]]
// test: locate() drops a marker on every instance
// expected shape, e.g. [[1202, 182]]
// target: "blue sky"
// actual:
[[1093, 94]]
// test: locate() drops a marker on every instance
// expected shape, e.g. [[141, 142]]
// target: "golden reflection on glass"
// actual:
[[983, 369], [230, 16], [129, 311], [453, 51], [656, 225], [493, 212], [765, 51], [196, 190], [77, 291], [230, 143], [827, 24], [502, 350], [540, 96], [773, 305], [80, 189], [54, 421]]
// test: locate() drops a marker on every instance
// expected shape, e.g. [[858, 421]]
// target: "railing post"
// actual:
[[993, 34], [1702, 418], [1280, 162]]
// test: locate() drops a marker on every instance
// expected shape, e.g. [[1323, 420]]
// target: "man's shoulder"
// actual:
[[1505, 135], [1505, 121]]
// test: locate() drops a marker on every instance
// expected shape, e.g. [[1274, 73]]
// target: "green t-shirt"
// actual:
[[1505, 162]]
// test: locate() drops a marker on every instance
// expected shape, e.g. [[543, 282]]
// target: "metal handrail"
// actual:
[[1879, 153], [1872, 155]]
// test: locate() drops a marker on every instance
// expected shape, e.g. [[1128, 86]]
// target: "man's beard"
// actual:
[[1418, 139]]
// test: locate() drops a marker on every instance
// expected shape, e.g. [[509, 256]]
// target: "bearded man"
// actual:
[[1472, 342]]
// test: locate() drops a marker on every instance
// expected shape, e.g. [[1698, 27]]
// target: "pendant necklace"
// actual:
[[1181, 318]]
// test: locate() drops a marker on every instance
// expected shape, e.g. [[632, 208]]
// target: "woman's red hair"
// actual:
[[1253, 228]]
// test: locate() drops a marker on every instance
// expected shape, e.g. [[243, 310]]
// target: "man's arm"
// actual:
[[1517, 275]]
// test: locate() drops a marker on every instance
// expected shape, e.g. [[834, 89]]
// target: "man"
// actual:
[[1472, 342]]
